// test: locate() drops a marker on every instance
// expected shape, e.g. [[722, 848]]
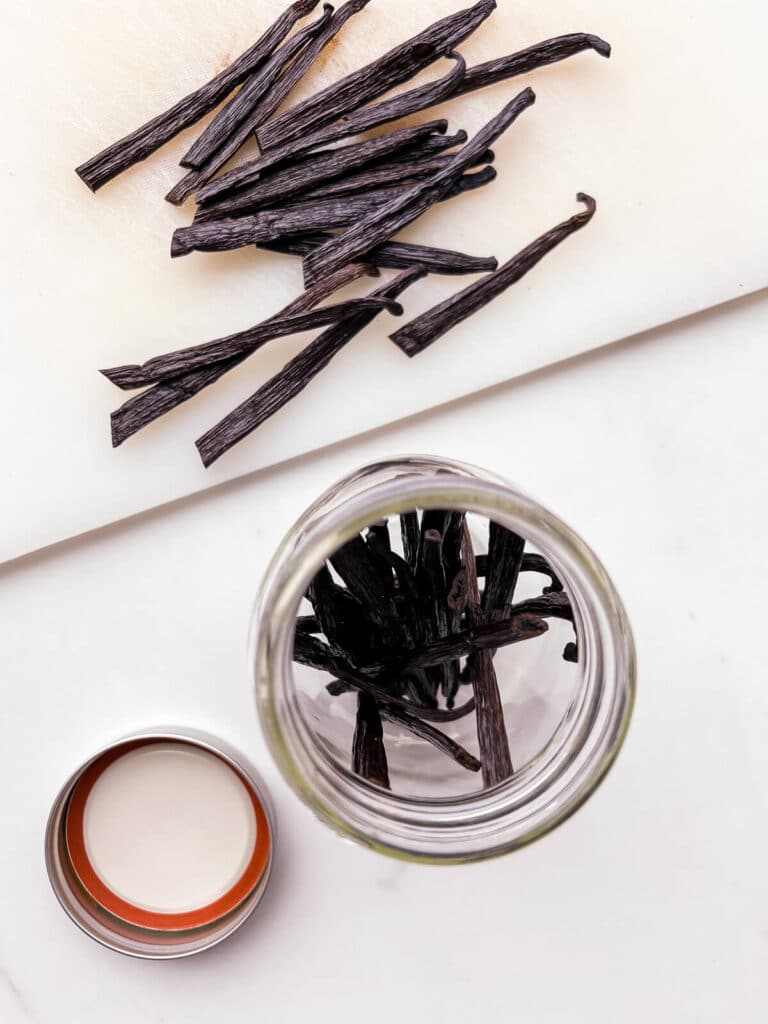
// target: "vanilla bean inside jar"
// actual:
[[444, 669]]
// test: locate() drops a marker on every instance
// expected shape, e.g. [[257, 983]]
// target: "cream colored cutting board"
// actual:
[[670, 136]]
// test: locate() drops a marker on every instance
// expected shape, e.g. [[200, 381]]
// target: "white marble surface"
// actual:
[[649, 905]]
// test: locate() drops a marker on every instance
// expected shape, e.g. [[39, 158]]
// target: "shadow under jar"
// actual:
[[565, 690]]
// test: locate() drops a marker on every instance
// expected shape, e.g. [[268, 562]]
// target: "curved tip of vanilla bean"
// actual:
[[527, 97], [589, 202], [392, 306], [599, 45]]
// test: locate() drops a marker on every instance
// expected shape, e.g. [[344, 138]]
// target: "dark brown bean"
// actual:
[[155, 133], [313, 653], [357, 123], [267, 225], [395, 255], [240, 108], [324, 32], [369, 758], [300, 217], [293, 378], [223, 350], [422, 332], [400, 64], [548, 52], [382, 224], [495, 754], [428, 732], [145, 408], [323, 167]]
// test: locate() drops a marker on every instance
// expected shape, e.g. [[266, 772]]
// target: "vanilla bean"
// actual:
[[313, 653], [531, 563], [495, 754], [433, 586], [382, 224], [155, 133], [237, 110], [505, 559], [323, 167], [342, 618], [386, 174], [571, 653], [175, 364], [326, 30], [410, 530], [394, 255], [478, 637], [369, 758], [359, 183], [398, 65], [293, 378], [299, 217], [266, 225], [149, 406], [359, 122], [456, 595], [422, 332], [429, 148], [427, 732], [548, 606], [548, 52], [370, 582]]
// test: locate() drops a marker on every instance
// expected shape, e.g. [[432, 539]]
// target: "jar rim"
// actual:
[[543, 793]]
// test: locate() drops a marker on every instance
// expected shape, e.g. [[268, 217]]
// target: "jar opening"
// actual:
[[538, 678], [565, 729]]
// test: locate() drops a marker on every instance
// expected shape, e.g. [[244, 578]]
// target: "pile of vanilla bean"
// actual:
[[409, 632], [337, 206]]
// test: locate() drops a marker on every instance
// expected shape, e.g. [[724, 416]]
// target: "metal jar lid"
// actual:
[[131, 928]]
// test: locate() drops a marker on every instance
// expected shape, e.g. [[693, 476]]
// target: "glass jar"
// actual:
[[416, 822]]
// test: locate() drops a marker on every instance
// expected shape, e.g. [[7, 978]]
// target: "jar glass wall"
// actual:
[[566, 721]]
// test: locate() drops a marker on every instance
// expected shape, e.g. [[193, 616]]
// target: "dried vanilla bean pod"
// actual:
[[360, 87], [548, 52], [382, 224], [143, 409], [293, 378], [144, 141], [223, 350], [322, 167], [418, 335], [369, 757], [361, 121], [325, 31], [495, 755], [393, 255]]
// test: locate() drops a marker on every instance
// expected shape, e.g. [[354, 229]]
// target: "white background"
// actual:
[[650, 905]]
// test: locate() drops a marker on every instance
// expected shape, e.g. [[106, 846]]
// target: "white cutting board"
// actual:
[[670, 136]]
